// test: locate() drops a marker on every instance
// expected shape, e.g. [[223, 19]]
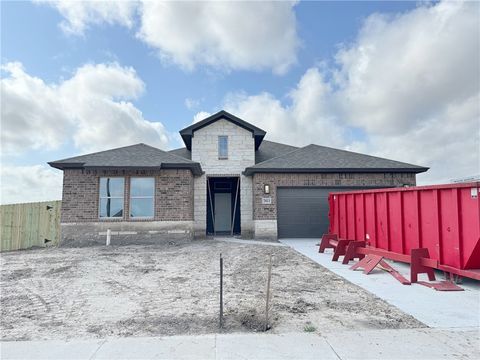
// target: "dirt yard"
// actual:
[[62, 293]]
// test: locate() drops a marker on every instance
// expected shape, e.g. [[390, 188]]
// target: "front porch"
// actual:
[[223, 206]]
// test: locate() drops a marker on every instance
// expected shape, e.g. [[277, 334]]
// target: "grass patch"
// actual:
[[309, 327]]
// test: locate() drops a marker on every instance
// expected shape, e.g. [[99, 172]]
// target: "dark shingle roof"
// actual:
[[182, 152], [134, 156], [187, 133], [270, 149], [315, 158]]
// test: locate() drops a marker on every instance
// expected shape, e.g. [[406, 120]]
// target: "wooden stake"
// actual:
[[221, 291], [267, 302]]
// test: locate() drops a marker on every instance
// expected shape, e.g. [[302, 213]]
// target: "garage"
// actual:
[[290, 191], [303, 212]]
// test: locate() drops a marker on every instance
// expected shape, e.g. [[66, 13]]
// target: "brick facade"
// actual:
[[174, 203], [269, 212], [180, 199], [173, 194]]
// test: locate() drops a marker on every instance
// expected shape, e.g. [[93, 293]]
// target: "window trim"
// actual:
[[100, 197], [141, 197], [220, 157]]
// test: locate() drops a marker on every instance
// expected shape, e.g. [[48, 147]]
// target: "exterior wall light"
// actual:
[[266, 189]]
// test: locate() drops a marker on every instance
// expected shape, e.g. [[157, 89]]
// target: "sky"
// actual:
[[399, 80]]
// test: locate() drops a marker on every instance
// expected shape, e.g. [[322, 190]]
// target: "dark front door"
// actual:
[[223, 212]]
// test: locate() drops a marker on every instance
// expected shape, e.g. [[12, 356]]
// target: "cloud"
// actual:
[[91, 109], [412, 83], [308, 118], [32, 116], [230, 35], [79, 15], [192, 103], [239, 35], [407, 88], [406, 69], [29, 183], [200, 116], [449, 143]]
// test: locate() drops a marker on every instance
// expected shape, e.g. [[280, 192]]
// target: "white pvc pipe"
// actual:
[[109, 235]]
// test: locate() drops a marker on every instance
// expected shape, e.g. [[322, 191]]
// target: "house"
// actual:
[[227, 180]]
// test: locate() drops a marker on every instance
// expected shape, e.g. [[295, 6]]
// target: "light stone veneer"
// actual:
[[266, 229], [241, 154]]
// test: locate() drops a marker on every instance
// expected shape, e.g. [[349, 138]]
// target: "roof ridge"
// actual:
[[318, 158], [102, 151], [279, 143], [276, 157], [183, 160], [180, 157], [180, 148], [168, 153], [361, 154]]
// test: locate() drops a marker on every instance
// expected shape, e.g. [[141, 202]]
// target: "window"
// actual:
[[111, 197], [223, 147], [142, 190]]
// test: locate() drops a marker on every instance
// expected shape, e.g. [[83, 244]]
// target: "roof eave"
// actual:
[[63, 166], [252, 170], [114, 167], [194, 167]]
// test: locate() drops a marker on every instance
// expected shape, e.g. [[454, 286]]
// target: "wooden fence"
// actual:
[[26, 225]]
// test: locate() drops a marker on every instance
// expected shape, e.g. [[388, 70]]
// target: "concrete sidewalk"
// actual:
[[439, 309], [375, 344]]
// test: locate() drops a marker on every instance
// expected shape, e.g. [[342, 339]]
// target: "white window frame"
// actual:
[[141, 197], [100, 197], [220, 156]]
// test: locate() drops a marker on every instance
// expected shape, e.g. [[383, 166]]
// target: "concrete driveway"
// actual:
[[437, 309]]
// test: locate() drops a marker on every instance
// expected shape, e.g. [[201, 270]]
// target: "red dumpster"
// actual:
[[443, 218]]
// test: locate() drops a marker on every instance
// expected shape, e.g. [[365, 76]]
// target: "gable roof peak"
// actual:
[[187, 133]]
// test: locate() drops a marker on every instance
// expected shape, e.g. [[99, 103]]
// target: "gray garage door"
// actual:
[[303, 212]]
